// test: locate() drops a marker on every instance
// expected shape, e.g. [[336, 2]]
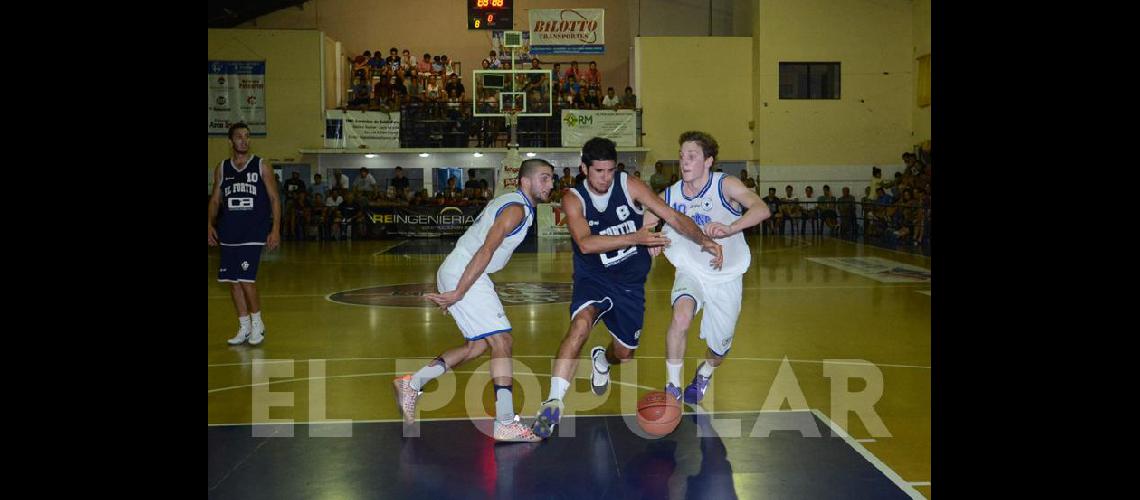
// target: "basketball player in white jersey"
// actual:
[[723, 207], [467, 293]]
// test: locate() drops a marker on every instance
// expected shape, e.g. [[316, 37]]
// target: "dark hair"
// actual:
[[708, 145], [236, 126], [528, 167], [598, 149]]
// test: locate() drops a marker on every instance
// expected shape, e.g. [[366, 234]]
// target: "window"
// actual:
[[803, 80]]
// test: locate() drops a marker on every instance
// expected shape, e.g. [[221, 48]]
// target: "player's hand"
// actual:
[[644, 237], [273, 240], [213, 237], [717, 230], [655, 251], [714, 248], [445, 299]]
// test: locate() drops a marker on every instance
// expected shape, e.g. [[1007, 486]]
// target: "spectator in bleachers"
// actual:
[[566, 181], [319, 186], [592, 77], [423, 68], [580, 177], [908, 218], [827, 209], [488, 103], [591, 101], [611, 101], [557, 77], [809, 210], [486, 65], [629, 101], [393, 61], [789, 208], [537, 103], [505, 65], [398, 91], [673, 179], [349, 213], [294, 185], [492, 61], [360, 92], [867, 207], [407, 62], [897, 186], [451, 192], [454, 85], [317, 214], [410, 88], [770, 224], [846, 209], [573, 71], [436, 66], [399, 182], [432, 91], [574, 98], [620, 167], [376, 63], [448, 66], [913, 167], [297, 211], [877, 180], [364, 181], [360, 65], [748, 181]]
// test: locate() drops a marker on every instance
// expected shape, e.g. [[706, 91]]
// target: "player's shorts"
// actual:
[[239, 263], [620, 306], [721, 302], [480, 314]]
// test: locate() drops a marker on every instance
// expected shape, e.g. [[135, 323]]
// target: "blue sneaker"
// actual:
[[548, 415], [695, 392], [673, 391]]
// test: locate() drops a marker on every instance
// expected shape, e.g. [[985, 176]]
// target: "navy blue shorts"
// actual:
[[620, 306], [239, 263]]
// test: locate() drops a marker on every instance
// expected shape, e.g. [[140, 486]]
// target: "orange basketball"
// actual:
[[658, 414]]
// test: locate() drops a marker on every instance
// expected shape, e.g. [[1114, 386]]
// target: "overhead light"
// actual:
[[369, 155], [424, 155], [531, 155], [478, 154]]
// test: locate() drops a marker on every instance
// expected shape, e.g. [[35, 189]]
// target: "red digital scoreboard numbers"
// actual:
[[490, 14]]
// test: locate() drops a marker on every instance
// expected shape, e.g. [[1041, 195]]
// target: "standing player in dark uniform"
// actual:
[[244, 195], [611, 261]]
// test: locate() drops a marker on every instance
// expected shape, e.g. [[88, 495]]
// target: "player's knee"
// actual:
[[682, 316]]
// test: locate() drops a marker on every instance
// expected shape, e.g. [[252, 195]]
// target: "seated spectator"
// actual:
[[492, 61], [827, 209], [454, 85], [629, 101], [451, 192], [593, 78], [364, 181], [557, 77], [360, 92], [349, 213], [432, 91], [376, 63], [407, 62], [436, 66], [294, 185], [592, 101], [748, 181], [319, 186], [908, 218], [360, 66], [393, 61], [399, 182], [789, 208], [571, 86], [574, 99], [867, 206], [611, 101], [573, 71], [423, 69], [809, 210], [567, 181], [770, 224]]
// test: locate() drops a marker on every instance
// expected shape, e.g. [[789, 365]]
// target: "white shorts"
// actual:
[[721, 302], [480, 314]]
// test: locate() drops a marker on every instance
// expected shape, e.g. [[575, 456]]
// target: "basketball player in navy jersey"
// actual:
[[244, 195], [611, 261]]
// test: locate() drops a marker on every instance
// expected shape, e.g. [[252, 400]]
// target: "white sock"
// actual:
[[256, 318], [706, 369], [558, 386], [504, 404], [673, 373], [244, 321], [427, 374]]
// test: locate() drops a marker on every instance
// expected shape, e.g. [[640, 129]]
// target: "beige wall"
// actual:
[[375, 24], [921, 48], [872, 122], [294, 112], [717, 99]]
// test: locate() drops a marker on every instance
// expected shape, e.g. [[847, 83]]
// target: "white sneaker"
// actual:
[[241, 337], [258, 333], [599, 381]]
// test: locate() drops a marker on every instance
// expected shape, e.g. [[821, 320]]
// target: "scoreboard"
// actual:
[[490, 14]]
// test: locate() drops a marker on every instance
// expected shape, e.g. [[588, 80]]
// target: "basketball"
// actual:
[[658, 414]]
